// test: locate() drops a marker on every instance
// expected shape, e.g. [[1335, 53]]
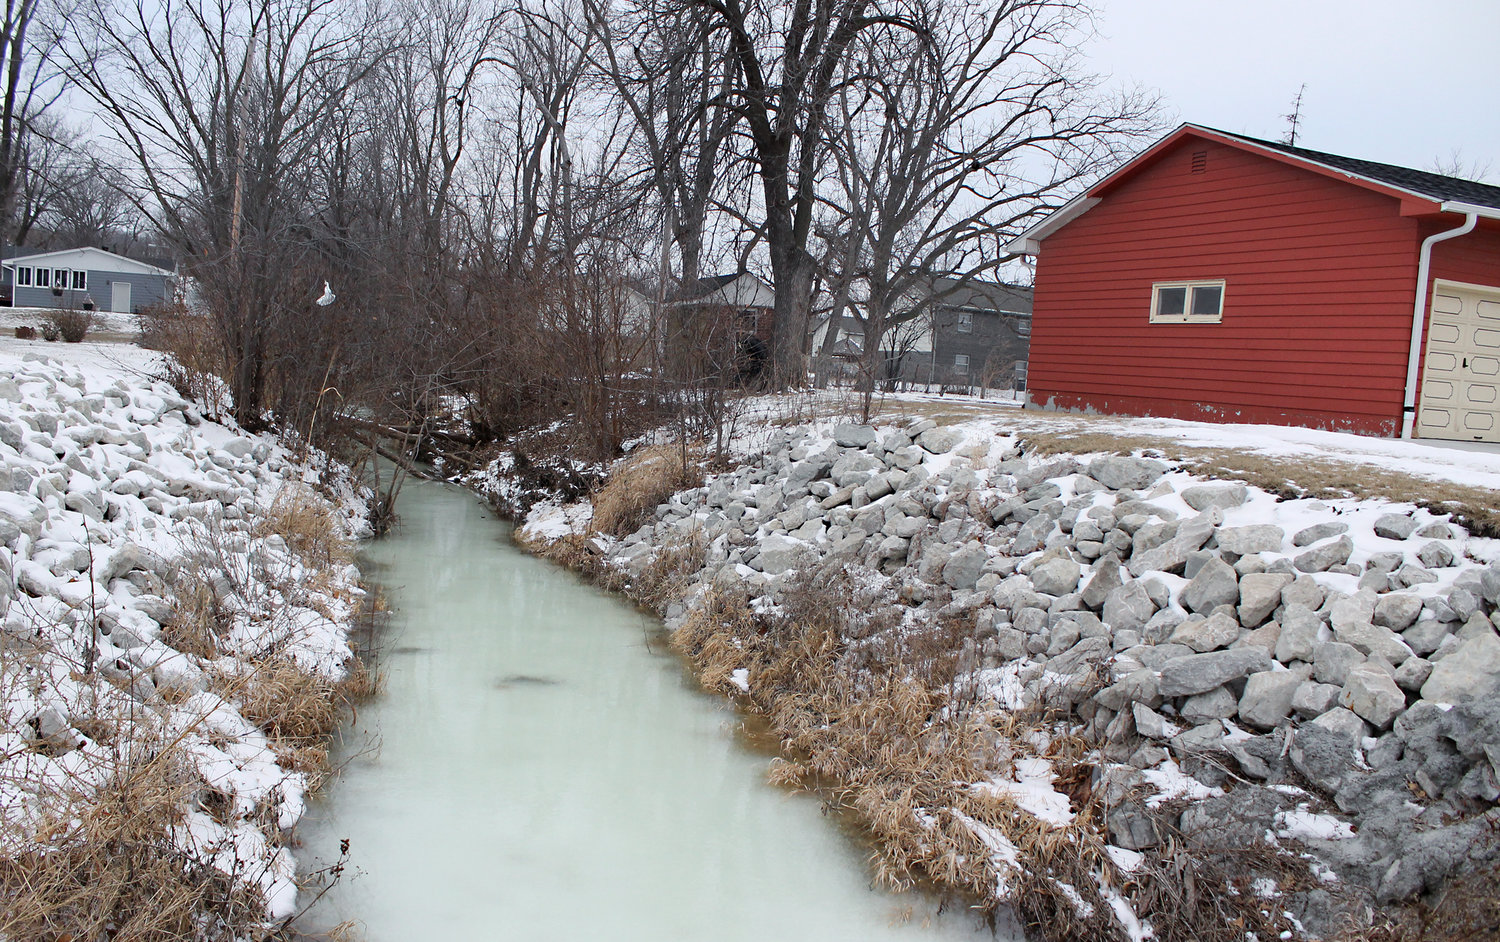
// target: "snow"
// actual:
[[550, 521], [1032, 791], [1172, 783], [740, 677], [1304, 825], [1004, 856], [1440, 461], [1135, 929], [1081, 906], [1129, 861]]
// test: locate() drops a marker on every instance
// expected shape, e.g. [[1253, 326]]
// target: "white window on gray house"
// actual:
[[80, 280], [43, 278], [59, 278], [966, 323], [961, 363], [23, 277]]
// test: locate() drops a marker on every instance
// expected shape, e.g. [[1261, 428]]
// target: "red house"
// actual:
[[1223, 278]]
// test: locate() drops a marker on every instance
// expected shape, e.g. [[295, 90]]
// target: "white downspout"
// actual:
[[1419, 310]]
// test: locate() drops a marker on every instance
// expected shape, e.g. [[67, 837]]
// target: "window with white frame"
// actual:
[[43, 278], [23, 277], [59, 278], [961, 363], [80, 280], [965, 323], [1187, 302]]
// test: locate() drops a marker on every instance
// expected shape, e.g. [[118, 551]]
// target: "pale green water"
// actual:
[[539, 773]]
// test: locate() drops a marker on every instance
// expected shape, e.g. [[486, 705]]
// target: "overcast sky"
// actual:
[[1398, 82]]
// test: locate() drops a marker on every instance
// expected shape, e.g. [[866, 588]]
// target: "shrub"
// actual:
[[50, 332], [104, 863], [72, 326], [193, 364], [24, 332], [641, 482]]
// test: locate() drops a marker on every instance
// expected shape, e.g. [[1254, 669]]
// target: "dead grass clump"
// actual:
[[642, 482], [668, 573], [287, 701], [194, 364], [359, 683], [196, 619], [103, 865], [864, 710], [308, 525], [297, 709]]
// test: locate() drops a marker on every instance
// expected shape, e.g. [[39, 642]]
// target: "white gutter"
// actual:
[[1419, 310]]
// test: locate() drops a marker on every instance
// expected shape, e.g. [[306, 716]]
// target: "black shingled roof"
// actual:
[[703, 287], [1432, 185]]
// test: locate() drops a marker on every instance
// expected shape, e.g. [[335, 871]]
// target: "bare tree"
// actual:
[[672, 76], [789, 58], [87, 204], [223, 105], [45, 161], [951, 137], [26, 89], [1454, 164]]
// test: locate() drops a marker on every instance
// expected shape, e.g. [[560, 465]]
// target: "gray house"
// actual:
[[975, 334], [86, 279]]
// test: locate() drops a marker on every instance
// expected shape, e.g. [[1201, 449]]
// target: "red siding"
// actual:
[[1317, 307], [1473, 259]]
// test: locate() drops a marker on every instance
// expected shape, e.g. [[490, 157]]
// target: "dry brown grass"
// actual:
[[1475, 508], [883, 741], [103, 866], [307, 523], [196, 620], [194, 364], [642, 482], [86, 863]]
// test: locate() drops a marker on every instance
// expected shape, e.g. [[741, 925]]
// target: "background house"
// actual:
[[1220, 277], [721, 322], [968, 334], [977, 333], [85, 279]]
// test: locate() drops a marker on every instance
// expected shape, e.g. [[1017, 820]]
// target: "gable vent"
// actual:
[[1200, 161]]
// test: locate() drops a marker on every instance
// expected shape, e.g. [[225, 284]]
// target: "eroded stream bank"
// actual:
[[535, 770]]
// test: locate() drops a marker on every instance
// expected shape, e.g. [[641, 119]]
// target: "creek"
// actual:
[[540, 767]]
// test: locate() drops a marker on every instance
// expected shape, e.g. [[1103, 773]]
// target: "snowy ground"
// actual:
[[113, 490], [1468, 463]]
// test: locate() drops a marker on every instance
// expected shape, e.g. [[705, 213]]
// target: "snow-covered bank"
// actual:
[[157, 573], [1245, 671]]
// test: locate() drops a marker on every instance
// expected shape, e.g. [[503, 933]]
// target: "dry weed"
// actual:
[[642, 482], [104, 866], [871, 725], [307, 523], [196, 620], [668, 573]]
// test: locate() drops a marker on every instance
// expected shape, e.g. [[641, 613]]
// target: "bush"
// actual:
[[25, 333], [50, 332], [641, 482], [193, 364], [72, 326]]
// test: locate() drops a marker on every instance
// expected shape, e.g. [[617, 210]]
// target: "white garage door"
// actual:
[[1461, 373]]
